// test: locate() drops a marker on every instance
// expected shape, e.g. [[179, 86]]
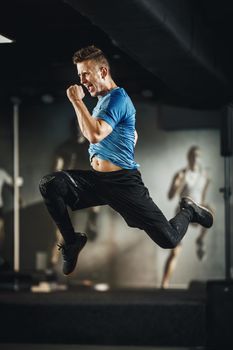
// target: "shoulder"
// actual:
[[122, 100], [180, 174], [114, 100], [117, 96], [119, 91]]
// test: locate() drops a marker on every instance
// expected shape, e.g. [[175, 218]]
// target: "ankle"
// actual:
[[189, 213], [70, 239]]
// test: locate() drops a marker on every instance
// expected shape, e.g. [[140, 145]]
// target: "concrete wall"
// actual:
[[165, 155], [120, 255]]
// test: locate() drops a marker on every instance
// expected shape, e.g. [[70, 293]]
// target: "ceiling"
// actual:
[[176, 52]]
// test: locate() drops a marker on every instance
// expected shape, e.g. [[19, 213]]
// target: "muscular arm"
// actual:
[[93, 129]]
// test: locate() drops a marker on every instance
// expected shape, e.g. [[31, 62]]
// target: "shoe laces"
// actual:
[[62, 247]]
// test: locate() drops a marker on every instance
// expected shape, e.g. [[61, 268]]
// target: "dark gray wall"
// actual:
[[120, 255]]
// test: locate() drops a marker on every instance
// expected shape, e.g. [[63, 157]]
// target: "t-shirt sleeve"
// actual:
[[113, 110]]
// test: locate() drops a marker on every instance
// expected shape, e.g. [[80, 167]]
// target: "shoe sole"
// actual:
[[200, 206]]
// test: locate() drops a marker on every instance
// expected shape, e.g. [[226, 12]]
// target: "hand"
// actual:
[[75, 92]]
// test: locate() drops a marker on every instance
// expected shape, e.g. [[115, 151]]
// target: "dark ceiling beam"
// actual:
[[186, 26], [169, 38]]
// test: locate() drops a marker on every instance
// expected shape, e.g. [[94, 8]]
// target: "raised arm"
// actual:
[[94, 130]]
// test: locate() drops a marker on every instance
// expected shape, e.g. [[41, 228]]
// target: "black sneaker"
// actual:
[[201, 215], [70, 252]]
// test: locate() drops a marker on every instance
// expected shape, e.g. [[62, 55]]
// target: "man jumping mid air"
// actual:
[[114, 178]]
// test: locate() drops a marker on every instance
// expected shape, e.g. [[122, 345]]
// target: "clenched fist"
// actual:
[[75, 92]]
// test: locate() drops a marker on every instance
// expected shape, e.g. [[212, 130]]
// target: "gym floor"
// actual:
[[82, 347]]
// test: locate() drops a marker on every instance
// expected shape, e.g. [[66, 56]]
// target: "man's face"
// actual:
[[195, 157], [92, 77]]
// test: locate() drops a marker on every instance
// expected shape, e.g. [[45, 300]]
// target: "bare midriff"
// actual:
[[103, 165]]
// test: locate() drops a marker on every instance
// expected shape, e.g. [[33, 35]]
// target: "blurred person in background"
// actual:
[[192, 181], [5, 179]]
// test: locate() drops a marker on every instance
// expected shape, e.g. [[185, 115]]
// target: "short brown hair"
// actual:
[[91, 53]]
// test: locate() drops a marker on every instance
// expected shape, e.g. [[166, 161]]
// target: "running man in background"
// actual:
[[192, 181]]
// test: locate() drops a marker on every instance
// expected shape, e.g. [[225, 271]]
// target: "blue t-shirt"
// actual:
[[116, 109]]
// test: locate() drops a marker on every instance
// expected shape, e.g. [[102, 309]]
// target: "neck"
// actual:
[[108, 87], [193, 167]]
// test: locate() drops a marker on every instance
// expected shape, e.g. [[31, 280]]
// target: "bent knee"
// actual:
[[45, 183], [169, 244]]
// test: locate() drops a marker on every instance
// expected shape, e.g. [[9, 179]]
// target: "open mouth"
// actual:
[[90, 88]]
